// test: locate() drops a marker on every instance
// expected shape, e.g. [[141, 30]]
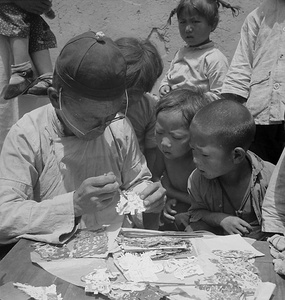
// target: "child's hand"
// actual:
[[165, 89], [235, 225], [168, 210]]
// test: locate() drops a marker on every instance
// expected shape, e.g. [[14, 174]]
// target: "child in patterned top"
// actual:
[[30, 39]]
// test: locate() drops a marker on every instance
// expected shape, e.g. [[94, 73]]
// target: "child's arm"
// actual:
[[238, 78], [234, 97], [165, 87], [216, 70], [230, 224], [203, 207], [171, 192], [173, 196]]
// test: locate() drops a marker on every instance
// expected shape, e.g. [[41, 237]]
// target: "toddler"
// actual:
[[199, 62], [174, 161], [144, 66], [30, 38], [228, 186]]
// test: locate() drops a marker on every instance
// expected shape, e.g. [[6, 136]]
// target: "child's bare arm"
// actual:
[[238, 98], [171, 192]]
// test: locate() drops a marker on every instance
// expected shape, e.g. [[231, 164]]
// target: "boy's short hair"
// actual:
[[227, 121], [187, 100], [91, 65], [144, 63]]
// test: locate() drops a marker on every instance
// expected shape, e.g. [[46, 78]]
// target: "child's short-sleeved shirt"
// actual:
[[204, 66], [206, 195]]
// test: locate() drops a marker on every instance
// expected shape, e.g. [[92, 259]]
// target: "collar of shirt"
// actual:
[[201, 47]]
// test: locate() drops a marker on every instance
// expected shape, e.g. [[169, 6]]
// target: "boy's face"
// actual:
[[86, 118], [171, 135], [210, 158], [194, 29]]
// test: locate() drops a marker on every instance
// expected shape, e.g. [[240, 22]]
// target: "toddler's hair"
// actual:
[[205, 8], [144, 63], [228, 122], [187, 100]]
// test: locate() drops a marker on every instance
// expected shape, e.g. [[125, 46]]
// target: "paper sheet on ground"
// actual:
[[225, 243], [72, 269], [263, 292]]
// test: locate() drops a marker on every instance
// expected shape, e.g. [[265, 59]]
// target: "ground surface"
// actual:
[[142, 19]]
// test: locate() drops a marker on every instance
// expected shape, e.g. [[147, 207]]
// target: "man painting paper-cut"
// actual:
[[62, 165]]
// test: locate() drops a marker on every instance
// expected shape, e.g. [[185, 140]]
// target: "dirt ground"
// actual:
[[117, 18], [141, 19]]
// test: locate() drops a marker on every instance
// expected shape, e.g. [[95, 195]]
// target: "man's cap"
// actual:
[[91, 64]]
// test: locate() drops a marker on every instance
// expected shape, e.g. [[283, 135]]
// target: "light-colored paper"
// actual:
[[71, 270], [225, 243], [264, 292]]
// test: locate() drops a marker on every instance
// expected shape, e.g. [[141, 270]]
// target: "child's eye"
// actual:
[[177, 138]]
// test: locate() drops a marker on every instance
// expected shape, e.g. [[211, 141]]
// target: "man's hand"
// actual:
[[154, 197], [168, 210], [235, 225], [34, 6], [95, 194]]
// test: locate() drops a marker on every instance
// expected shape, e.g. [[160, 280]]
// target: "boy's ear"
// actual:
[[53, 97], [238, 155]]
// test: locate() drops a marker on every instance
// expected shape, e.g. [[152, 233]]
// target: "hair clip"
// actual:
[[99, 36]]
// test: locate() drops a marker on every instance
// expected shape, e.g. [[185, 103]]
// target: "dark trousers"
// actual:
[[269, 142]]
